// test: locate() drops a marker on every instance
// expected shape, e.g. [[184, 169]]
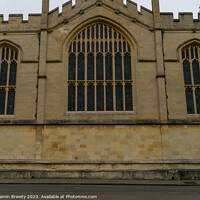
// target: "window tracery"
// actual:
[[8, 70], [99, 71], [191, 69]]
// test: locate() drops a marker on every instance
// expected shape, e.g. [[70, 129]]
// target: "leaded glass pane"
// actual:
[[110, 46], [106, 32], [109, 97], [115, 46], [93, 32], [83, 35], [74, 46], [109, 65], [196, 53], [97, 31], [124, 46], [118, 66], [110, 33], [197, 94], [101, 31], [90, 97], [129, 49], [196, 72], [97, 46], [11, 102], [187, 53], [70, 49], [16, 55], [13, 71], [189, 100], [100, 97], [81, 66], [187, 73], [90, 67], [106, 47], [72, 67], [128, 97], [120, 47], [81, 97], [99, 66], [83, 46], [12, 54], [3, 75], [79, 47], [7, 53], [119, 97], [2, 101], [127, 67], [71, 97], [3, 53], [192, 52], [88, 33], [102, 47], [183, 54], [115, 34], [88, 46], [92, 46]]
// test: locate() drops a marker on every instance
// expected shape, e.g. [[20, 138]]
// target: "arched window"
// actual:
[[8, 70], [191, 69], [100, 70]]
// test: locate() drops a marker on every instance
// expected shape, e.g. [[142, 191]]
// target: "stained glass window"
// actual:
[[99, 70], [191, 70], [8, 72]]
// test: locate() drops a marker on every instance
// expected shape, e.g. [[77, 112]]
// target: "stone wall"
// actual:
[[92, 143], [120, 151]]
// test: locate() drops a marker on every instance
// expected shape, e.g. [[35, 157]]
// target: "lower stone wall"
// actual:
[[119, 151]]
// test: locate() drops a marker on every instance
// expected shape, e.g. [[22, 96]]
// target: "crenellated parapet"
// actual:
[[15, 23], [129, 11], [145, 17], [185, 21], [68, 12]]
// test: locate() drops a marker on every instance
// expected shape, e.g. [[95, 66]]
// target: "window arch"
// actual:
[[8, 70], [100, 70], [191, 70]]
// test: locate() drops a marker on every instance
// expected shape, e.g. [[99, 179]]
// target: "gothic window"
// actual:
[[99, 71], [8, 70], [191, 69]]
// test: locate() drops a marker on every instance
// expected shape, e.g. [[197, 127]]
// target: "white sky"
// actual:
[[34, 6]]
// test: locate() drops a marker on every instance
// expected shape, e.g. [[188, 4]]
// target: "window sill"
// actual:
[[7, 117], [100, 116], [193, 116]]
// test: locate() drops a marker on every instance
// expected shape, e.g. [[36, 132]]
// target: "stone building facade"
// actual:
[[134, 114]]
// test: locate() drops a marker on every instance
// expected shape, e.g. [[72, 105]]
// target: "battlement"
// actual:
[[128, 10], [16, 23], [185, 21]]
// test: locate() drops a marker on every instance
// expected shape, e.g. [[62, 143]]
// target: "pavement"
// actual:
[[102, 182], [99, 192]]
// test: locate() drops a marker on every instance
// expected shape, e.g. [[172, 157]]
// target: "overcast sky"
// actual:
[[34, 6]]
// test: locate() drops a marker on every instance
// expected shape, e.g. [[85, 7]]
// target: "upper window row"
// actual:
[[100, 74]]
